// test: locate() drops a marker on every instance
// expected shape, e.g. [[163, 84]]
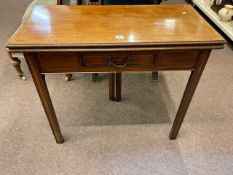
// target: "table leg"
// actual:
[[95, 77], [79, 2], [118, 86], [68, 77], [188, 93], [40, 83], [155, 76], [112, 86], [16, 63], [115, 86], [59, 2]]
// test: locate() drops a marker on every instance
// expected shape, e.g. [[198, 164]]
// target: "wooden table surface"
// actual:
[[113, 25]]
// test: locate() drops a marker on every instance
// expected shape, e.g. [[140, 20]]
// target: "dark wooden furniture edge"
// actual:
[[118, 45], [16, 48]]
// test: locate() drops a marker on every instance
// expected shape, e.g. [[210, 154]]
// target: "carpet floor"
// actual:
[[104, 137]]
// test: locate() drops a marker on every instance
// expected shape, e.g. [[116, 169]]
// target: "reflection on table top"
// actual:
[[114, 25]]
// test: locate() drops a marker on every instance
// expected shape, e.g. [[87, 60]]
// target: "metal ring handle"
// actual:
[[127, 62]]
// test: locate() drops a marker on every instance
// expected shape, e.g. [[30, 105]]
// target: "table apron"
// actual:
[[61, 62]]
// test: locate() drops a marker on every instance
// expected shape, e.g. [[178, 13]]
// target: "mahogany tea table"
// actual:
[[67, 39]]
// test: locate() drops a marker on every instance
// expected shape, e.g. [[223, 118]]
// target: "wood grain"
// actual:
[[66, 26], [188, 93], [118, 86], [112, 81], [40, 83], [59, 2]]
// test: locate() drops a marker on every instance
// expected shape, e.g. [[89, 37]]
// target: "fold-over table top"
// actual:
[[66, 26]]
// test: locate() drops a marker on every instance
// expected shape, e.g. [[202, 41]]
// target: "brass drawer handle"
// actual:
[[127, 62]]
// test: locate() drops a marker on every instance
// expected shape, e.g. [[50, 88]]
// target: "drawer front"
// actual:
[[119, 60], [58, 62], [178, 60]]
